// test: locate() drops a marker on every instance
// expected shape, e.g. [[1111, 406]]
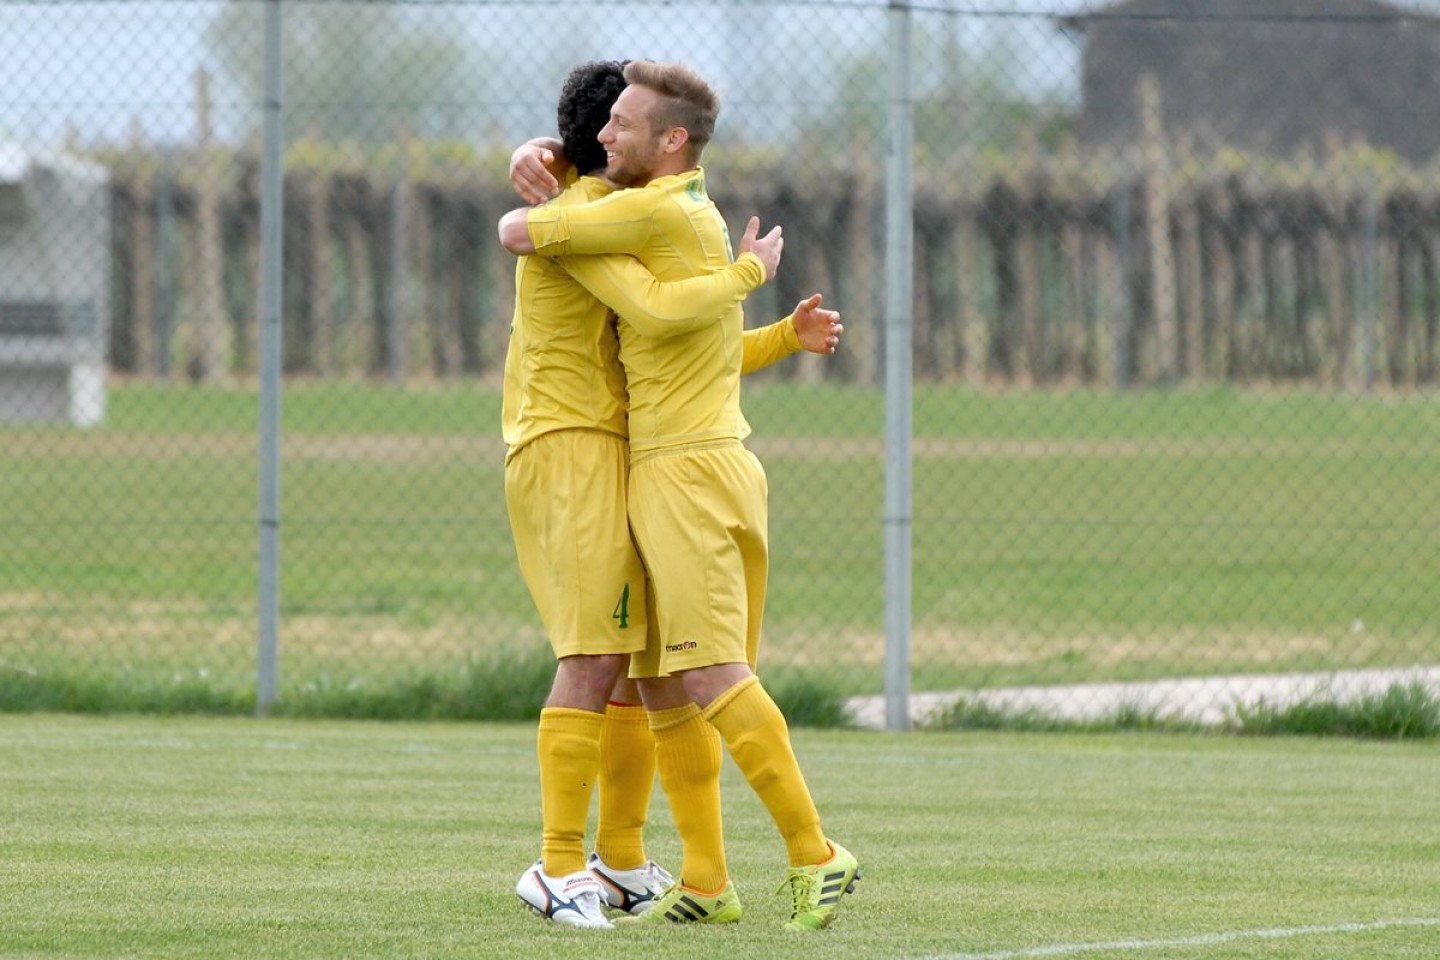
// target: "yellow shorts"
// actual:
[[565, 492], [700, 518]]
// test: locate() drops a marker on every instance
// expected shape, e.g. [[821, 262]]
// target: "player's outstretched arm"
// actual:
[[536, 167], [809, 328]]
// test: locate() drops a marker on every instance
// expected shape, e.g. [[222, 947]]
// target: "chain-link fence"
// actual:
[[1174, 320]]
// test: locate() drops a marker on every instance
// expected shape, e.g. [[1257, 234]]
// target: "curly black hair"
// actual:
[[590, 91]]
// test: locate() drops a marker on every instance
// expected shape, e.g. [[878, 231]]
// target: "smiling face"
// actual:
[[634, 150]]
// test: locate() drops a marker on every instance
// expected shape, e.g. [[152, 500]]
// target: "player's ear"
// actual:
[[676, 139]]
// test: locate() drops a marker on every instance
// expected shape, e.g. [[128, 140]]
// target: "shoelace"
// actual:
[[660, 878], [800, 884]]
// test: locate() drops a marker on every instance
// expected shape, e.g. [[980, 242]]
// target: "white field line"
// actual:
[[1203, 940]]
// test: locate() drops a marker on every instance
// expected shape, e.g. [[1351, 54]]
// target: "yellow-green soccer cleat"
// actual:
[[815, 891], [681, 905]]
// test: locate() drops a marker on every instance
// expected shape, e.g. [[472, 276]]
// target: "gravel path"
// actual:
[[1207, 700]]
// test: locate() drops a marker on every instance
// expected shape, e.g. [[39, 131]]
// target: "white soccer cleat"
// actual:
[[572, 901], [632, 891]]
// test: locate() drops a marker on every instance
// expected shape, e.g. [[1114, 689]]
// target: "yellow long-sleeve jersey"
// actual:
[[683, 376], [562, 366]]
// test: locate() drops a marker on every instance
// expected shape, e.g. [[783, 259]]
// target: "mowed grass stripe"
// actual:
[[228, 837], [1058, 537]]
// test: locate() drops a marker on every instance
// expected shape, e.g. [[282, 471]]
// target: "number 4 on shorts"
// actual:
[[622, 609]]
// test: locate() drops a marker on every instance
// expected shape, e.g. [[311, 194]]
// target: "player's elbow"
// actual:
[[515, 233]]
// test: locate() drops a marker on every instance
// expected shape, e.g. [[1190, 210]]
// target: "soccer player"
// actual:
[[564, 414], [697, 498]]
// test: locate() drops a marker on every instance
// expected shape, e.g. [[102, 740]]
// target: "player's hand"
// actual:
[[530, 172], [819, 330], [767, 248]]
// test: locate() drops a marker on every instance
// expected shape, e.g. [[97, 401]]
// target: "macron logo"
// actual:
[[677, 647]]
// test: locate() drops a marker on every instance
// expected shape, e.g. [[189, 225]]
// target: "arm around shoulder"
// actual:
[[536, 168], [515, 232], [665, 308]]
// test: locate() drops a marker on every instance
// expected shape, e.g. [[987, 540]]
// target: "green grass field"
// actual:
[[1058, 536], [223, 838]]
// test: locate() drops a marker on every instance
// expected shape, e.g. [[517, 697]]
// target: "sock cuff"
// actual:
[[673, 717], [626, 712], [569, 717], [730, 696]]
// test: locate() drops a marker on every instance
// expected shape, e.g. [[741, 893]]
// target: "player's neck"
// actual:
[[671, 169]]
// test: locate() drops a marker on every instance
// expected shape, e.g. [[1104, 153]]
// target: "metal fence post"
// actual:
[[899, 363], [272, 215]]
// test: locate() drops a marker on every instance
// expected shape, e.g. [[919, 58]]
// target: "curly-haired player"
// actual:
[[697, 498], [565, 422]]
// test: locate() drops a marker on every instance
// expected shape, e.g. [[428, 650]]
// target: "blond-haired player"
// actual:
[[564, 417], [697, 498]]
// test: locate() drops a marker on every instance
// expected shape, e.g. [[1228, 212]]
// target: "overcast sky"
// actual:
[[98, 65]]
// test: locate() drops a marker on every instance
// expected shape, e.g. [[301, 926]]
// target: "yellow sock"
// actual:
[[759, 740], [627, 776], [688, 753], [569, 749]]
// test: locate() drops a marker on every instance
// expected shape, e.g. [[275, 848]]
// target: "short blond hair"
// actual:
[[686, 100]]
